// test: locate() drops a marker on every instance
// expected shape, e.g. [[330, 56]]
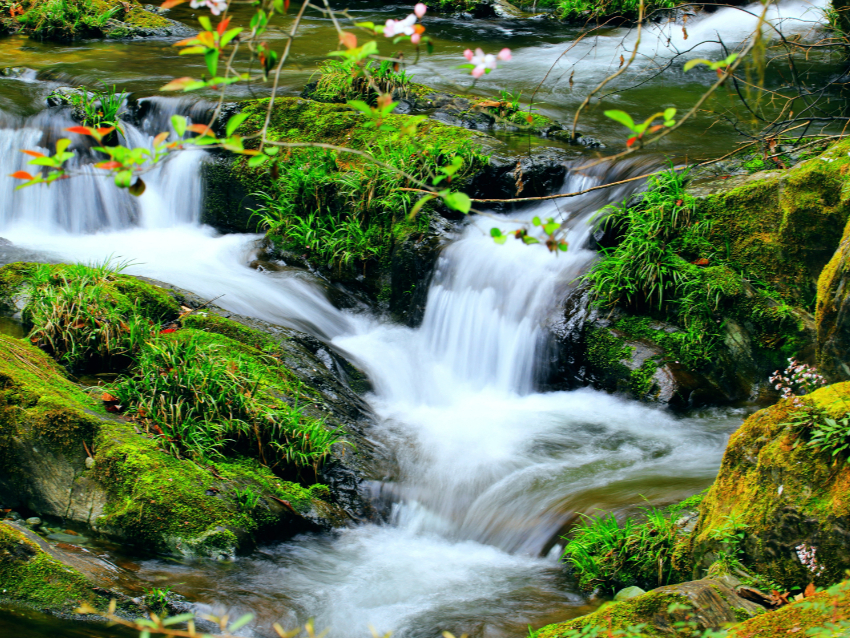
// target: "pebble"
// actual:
[[35, 521], [628, 593], [89, 462]]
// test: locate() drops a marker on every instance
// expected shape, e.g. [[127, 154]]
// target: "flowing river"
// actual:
[[486, 471]]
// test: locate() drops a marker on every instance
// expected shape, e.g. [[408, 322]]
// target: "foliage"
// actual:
[[610, 554], [668, 264], [79, 317], [204, 401], [319, 209], [157, 599], [100, 107], [66, 19], [343, 80], [821, 431], [583, 9]]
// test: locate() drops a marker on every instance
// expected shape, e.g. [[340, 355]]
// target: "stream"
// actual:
[[486, 471]]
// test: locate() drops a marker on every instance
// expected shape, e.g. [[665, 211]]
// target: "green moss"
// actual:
[[781, 494], [164, 503], [31, 576], [72, 19], [641, 379], [606, 352], [209, 322], [639, 613], [802, 617], [831, 299]]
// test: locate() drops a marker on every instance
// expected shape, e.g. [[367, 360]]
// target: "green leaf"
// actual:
[[458, 201], [536, 221], [550, 227], [205, 22], [365, 25], [62, 144], [361, 106], [229, 35], [179, 123], [123, 179], [690, 64], [244, 620], [501, 239], [211, 58], [622, 117], [495, 232], [563, 246], [271, 150], [257, 160], [173, 620], [528, 239], [669, 113], [419, 204], [235, 122]]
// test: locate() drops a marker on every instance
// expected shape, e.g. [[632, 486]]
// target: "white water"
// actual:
[[487, 470]]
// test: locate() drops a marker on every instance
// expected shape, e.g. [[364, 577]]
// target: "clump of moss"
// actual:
[[779, 493], [832, 301]]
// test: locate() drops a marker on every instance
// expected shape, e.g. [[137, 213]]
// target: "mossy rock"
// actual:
[[818, 611], [782, 227], [833, 313], [781, 495], [131, 490], [707, 603], [30, 576]]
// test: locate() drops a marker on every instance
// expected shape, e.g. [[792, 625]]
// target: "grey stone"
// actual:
[[628, 593], [34, 521]]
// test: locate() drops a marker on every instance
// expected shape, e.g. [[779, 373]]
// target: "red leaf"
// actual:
[[159, 139], [203, 129], [111, 407], [810, 590], [34, 153], [348, 40], [105, 131], [177, 85], [21, 175], [171, 3], [679, 202], [223, 25], [631, 141], [109, 165], [167, 331], [109, 398], [702, 261], [82, 130], [286, 5]]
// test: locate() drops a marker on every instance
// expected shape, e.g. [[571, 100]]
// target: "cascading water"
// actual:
[[486, 470]]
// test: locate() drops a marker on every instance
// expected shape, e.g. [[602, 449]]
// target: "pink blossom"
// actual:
[[504, 55], [415, 38], [420, 10], [481, 61]]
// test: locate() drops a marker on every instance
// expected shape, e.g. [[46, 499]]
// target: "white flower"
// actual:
[[400, 27], [215, 6], [483, 62]]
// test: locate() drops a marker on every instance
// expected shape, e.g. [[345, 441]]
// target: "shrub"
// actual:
[[337, 82]]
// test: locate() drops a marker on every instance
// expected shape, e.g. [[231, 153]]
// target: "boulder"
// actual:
[[833, 314], [703, 604], [774, 496]]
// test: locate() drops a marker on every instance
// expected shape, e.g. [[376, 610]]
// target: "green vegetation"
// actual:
[[339, 209], [337, 82], [81, 317], [73, 19], [610, 554], [669, 265], [205, 396], [101, 107]]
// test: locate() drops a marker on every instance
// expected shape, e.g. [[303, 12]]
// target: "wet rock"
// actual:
[[18, 73], [33, 521], [833, 313], [628, 593]]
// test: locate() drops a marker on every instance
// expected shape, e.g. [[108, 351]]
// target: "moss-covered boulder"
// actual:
[[66, 20], [32, 574], [775, 494], [704, 604], [833, 313]]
